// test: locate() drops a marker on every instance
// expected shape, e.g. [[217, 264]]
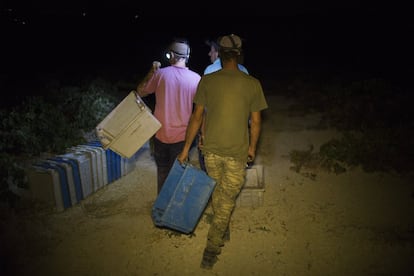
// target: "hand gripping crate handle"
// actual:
[[180, 193], [141, 104]]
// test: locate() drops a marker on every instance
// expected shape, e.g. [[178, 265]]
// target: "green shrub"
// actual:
[[50, 123], [375, 118]]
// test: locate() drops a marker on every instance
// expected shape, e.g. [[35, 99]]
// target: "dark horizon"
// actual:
[[117, 43]]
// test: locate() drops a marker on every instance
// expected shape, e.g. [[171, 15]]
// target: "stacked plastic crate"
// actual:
[[120, 135], [65, 180]]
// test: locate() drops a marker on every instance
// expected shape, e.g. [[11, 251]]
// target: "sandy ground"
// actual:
[[353, 223]]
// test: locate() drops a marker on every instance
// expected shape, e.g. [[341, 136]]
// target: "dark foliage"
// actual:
[[375, 117], [50, 123]]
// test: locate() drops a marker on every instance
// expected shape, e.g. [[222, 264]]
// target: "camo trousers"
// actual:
[[229, 174]]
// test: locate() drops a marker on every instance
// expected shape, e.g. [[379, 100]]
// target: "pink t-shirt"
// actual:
[[174, 89]]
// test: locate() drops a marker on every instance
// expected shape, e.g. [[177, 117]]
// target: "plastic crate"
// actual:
[[128, 126], [183, 198], [253, 190]]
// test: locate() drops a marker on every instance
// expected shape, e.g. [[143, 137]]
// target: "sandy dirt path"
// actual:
[[353, 223]]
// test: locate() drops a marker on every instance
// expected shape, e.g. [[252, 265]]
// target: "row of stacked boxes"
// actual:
[[64, 180]]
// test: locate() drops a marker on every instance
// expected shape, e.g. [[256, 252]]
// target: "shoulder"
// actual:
[[243, 68], [212, 68], [163, 70], [250, 80], [194, 73]]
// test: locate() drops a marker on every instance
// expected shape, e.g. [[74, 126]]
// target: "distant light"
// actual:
[[19, 21], [84, 14], [136, 16]]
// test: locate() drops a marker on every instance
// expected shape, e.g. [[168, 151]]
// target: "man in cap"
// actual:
[[215, 59], [231, 98], [174, 87], [213, 67]]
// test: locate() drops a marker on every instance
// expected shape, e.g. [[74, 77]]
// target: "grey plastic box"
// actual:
[[253, 190]]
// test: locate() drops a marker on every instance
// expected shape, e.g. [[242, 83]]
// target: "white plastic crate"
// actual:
[[128, 126]]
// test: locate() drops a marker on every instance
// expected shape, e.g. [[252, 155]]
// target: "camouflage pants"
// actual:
[[229, 174]]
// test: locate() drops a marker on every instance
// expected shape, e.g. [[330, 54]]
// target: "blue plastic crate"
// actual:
[[183, 198]]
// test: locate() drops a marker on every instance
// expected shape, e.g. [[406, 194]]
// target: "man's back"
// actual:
[[229, 96], [174, 89]]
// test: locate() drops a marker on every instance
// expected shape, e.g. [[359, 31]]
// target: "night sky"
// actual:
[[122, 38]]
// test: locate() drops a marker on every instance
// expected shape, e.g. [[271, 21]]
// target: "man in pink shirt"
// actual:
[[174, 87]]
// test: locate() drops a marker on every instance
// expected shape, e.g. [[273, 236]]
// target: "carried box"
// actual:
[[128, 126], [183, 198], [252, 192]]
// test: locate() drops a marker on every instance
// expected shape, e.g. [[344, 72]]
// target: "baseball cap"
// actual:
[[230, 42], [180, 49]]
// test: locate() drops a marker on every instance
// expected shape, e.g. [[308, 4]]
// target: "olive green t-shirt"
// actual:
[[229, 97]]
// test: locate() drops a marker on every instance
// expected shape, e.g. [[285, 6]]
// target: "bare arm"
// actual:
[[255, 126], [140, 88], [201, 137], [192, 130]]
